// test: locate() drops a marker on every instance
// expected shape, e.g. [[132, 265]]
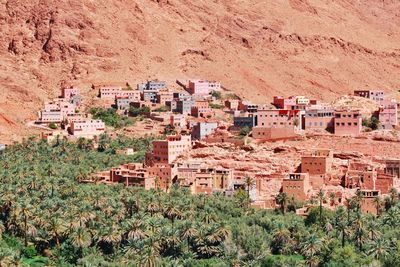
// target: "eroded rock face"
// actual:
[[257, 50]]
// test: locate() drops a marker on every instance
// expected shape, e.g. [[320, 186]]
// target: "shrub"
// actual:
[[216, 106], [53, 126], [216, 94], [244, 131], [111, 117]]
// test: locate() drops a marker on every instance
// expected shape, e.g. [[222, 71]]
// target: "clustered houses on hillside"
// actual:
[[193, 119], [64, 112]]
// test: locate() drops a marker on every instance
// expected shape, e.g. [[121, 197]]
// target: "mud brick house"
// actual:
[[317, 161], [367, 203], [164, 175], [201, 108], [347, 122], [154, 85], [131, 174], [87, 128], [392, 166], [166, 151], [388, 114], [376, 95], [292, 102], [297, 185], [282, 118], [273, 133], [184, 106], [123, 102]]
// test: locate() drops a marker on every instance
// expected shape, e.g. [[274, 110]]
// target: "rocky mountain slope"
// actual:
[[256, 48]]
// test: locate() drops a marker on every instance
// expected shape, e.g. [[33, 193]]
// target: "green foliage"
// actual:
[[47, 218], [216, 94], [216, 106], [111, 118], [244, 131], [161, 109], [53, 126], [371, 123], [232, 96], [135, 112]]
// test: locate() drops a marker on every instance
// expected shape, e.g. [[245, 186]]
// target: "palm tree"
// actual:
[[321, 198], [332, 198], [57, 228], [80, 238], [188, 233], [135, 229], [282, 199], [379, 249], [378, 203], [310, 248], [249, 182]]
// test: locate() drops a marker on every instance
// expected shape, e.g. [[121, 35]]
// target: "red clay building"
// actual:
[[348, 122], [166, 151], [282, 118], [317, 161], [297, 185], [273, 133]]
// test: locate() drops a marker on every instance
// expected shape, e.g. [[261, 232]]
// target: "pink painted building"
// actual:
[[56, 111], [166, 151], [279, 118], [87, 128], [348, 122], [68, 92], [117, 91], [164, 96], [201, 87], [178, 120], [232, 104], [284, 103], [388, 114]]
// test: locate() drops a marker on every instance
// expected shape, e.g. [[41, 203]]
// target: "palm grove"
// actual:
[[48, 218]]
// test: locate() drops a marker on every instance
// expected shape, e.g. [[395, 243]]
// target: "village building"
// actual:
[[178, 121], [164, 175], [392, 167], [55, 111], [368, 204], [388, 114], [203, 88], [245, 120], [232, 104], [166, 151], [376, 95], [69, 92], [154, 85], [297, 186], [131, 174], [164, 97], [123, 103], [184, 106], [76, 100], [201, 108], [247, 106], [87, 128], [347, 122], [203, 129], [292, 102], [280, 118], [317, 161], [273, 133], [318, 118], [113, 92]]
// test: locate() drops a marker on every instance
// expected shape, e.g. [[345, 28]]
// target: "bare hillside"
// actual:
[[256, 48]]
